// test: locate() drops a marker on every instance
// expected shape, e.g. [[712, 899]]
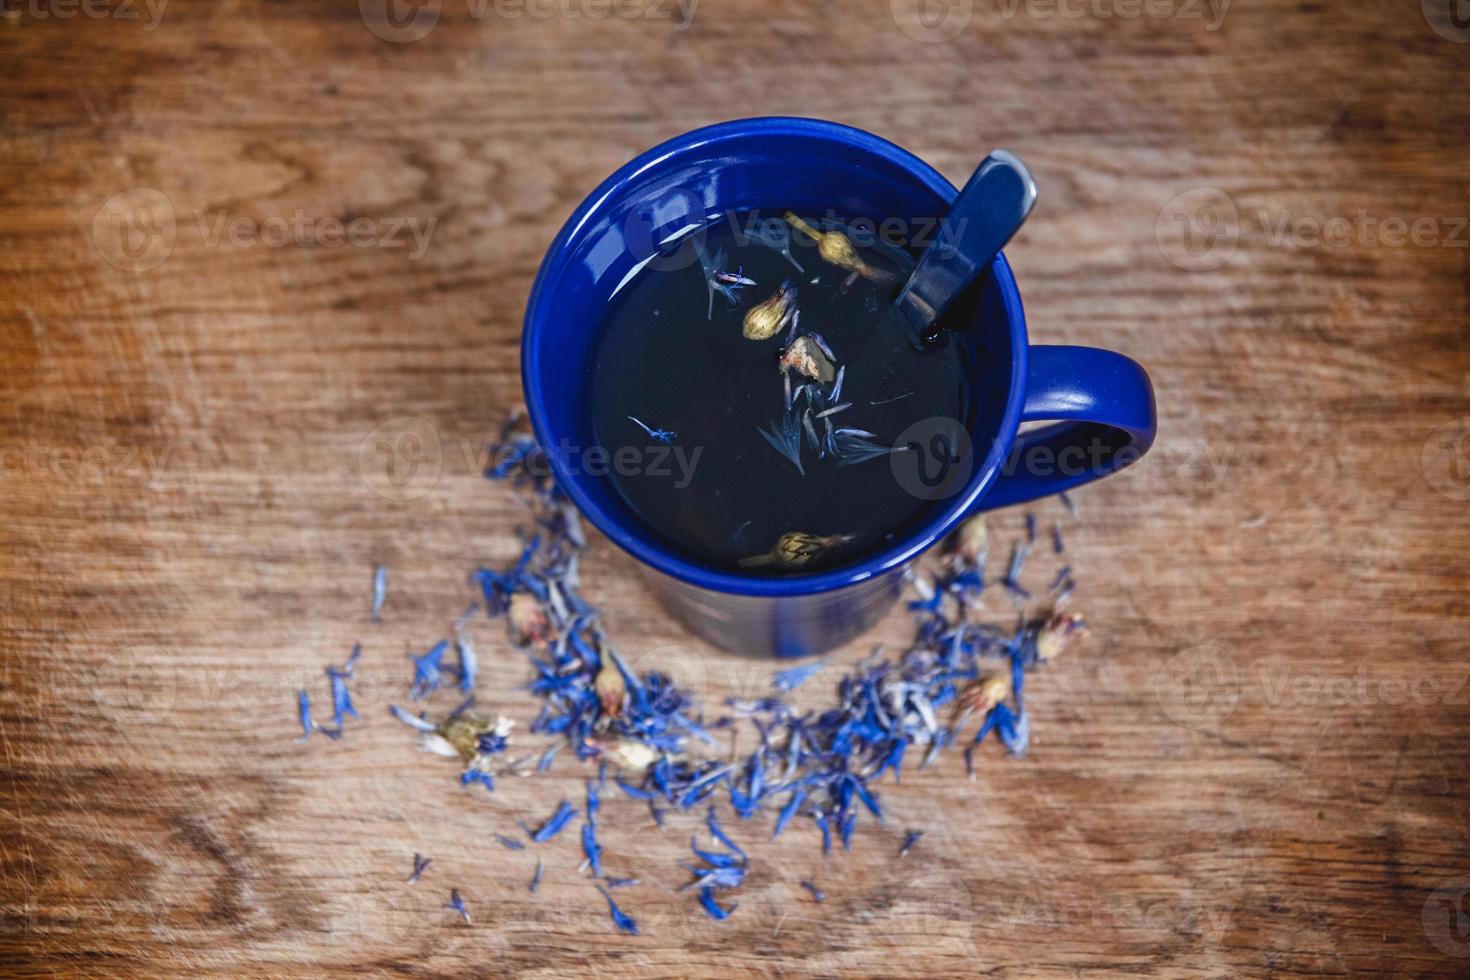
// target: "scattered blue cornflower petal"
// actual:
[[411, 720], [477, 776], [711, 907], [380, 591], [554, 824], [426, 671], [718, 832], [594, 802], [510, 843], [817, 893], [420, 864], [622, 882], [620, 919], [591, 848], [909, 840], [1056, 538], [303, 706], [546, 759], [1030, 528], [536, 878], [788, 811], [789, 680], [714, 858], [634, 791], [824, 824], [469, 664], [657, 435], [342, 698], [1067, 502], [457, 904]]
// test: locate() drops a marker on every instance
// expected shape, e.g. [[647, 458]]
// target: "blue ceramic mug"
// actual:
[[1100, 403]]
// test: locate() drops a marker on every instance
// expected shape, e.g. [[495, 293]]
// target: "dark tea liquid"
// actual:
[[674, 356]]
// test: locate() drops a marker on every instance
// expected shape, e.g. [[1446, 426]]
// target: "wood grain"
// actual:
[[1254, 765]]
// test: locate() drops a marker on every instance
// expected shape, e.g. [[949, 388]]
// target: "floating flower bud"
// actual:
[[528, 621], [807, 356], [1053, 637], [764, 320], [795, 549], [836, 248]]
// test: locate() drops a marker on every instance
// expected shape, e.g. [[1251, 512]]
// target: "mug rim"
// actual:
[[919, 538]]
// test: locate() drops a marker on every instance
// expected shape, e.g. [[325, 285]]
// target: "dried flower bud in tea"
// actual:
[[764, 320], [806, 356], [795, 549]]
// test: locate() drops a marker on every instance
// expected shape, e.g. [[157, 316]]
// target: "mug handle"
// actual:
[[1103, 407]]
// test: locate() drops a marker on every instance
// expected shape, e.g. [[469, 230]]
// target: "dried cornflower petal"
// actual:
[[711, 907], [909, 840], [338, 677], [469, 664], [620, 919], [457, 904], [420, 864], [380, 591], [657, 435], [477, 776], [554, 824], [536, 878], [790, 679], [510, 843], [816, 892], [426, 671]]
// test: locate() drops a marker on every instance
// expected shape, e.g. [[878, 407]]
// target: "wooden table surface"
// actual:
[[1255, 763]]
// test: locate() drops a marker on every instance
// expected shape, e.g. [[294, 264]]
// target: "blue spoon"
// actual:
[[990, 209]]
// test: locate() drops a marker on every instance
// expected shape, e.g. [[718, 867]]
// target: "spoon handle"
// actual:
[[990, 209]]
